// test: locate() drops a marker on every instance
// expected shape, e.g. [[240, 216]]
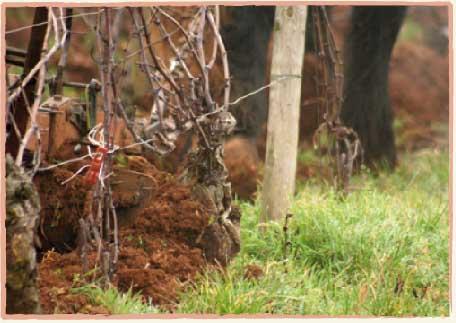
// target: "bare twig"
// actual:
[[36, 104], [286, 237], [343, 142], [182, 102], [202, 59], [160, 68], [215, 44], [80, 15], [173, 46], [226, 69], [63, 57], [43, 61]]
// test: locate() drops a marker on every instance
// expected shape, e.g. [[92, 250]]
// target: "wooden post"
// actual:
[[61, 131], [284, 106], [20, 114]]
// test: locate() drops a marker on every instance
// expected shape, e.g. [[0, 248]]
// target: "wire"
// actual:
[[45, 23]]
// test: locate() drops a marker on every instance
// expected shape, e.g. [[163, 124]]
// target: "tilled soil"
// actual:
[[158, 252], [61, 208]]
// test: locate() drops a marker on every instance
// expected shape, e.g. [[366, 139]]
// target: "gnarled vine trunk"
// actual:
[[22, 214], [220, 240]]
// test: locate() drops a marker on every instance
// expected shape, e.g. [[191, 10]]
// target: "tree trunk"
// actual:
[[366, 106], [246, 32], [284, 107]]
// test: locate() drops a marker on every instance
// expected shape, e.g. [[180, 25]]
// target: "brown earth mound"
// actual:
[[61, 207], [57, 274], [158, 236]]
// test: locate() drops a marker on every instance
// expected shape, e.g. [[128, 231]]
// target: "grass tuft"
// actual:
[[114, 301], [382, 250]]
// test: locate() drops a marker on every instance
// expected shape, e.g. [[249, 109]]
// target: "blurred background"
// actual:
[[418, 85]]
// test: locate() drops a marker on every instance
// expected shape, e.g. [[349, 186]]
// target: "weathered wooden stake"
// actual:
[[20, 114], [284, 106]]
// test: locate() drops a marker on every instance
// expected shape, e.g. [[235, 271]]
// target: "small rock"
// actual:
[[253, 272]]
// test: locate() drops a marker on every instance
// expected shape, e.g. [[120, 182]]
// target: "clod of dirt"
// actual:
[[253, 272]]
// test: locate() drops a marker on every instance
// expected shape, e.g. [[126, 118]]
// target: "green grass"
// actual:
[[114, 301], [381, 251], [411, 31]]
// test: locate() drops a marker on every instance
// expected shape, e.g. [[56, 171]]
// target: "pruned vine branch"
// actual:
[[183, 101], [343, 144]]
